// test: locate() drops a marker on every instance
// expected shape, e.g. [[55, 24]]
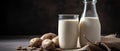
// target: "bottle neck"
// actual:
[[89, 9]]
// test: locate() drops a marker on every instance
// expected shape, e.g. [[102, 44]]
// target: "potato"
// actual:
[[48, 36], [35, 42], [55, 40], [48, 44]]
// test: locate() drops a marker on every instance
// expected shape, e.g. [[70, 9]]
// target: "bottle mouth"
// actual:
[[87, 1]]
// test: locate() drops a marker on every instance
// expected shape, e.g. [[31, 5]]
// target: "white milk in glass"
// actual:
[[68, 33], [91, 29]]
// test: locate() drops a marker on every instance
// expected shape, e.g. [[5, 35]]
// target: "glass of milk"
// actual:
[[68, 30]]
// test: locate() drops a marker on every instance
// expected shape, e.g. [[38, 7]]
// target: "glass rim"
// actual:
[[68, 14]]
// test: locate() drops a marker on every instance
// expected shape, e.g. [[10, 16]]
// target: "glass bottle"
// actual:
[[89, 25]]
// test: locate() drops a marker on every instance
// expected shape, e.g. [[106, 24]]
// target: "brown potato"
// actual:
[[55, 40], [48, 44], [35, 42], [48, 36]]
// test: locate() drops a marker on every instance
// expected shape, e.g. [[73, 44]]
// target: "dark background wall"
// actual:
[[34, 17]]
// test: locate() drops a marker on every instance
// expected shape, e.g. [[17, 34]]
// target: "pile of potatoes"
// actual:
[[46, 41]]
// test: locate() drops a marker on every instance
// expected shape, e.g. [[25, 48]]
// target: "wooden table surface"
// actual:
[[10, 43]]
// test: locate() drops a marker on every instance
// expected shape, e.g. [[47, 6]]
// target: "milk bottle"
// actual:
[[89, 25]]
